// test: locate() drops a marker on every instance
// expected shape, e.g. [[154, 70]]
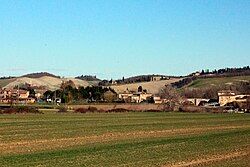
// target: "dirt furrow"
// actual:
[[212, 159]]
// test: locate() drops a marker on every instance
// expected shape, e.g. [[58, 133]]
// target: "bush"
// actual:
[[201, 109], [118, 110], [20, 109], [114, 110], [85, 110], [92, 109], [81, 110], [153, 110], [192, 109], [62, 110]]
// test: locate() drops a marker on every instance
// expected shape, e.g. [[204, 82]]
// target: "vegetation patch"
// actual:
[[63, 109], [85, 110], [20, 109]]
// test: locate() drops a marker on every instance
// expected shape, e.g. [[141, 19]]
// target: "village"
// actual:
[[178, 93], [226, 98], [115, 83]]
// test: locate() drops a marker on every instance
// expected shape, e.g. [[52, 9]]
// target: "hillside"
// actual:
[[88, 78], [40, 74], [52, 83], [4, 82], [209, 87], [140, 78], [152, 87], [48, 82], [204, 82]]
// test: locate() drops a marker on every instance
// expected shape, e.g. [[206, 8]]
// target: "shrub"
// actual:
[[118, 110], [201, 109], [153, 110], [192, 109], [85, 110], [62, 110], [92, 109], [21, 109], [81, 110]]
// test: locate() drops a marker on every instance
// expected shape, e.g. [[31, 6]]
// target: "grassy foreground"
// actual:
[[125, 139]]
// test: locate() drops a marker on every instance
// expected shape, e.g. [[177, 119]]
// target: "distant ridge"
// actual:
[[88, 78], [39, 75], [140, 78]]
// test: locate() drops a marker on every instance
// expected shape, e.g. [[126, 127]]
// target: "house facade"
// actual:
[[226, 97], [15, 96], [158, 78], [134, 97]]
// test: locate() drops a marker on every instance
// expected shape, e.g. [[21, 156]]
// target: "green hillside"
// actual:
[[199, 83]]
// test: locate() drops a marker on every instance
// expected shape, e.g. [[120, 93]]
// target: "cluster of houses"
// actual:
[[16, 96], [139, 97], [226, 97]]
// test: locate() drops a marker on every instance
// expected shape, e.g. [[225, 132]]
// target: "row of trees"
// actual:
[[70, 94], [226, 70], [88, 78], [135, 79]]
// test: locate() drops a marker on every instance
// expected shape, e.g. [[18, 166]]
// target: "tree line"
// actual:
[[71, 94]]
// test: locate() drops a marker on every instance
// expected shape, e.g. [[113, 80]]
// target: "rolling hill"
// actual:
[[48, 82], [152, 86], [220, 81], [40, 74]]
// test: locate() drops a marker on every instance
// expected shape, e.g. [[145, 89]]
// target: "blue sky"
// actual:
[[118, 38]]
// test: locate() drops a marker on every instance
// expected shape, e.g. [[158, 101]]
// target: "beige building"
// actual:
[[230, 96], [197, 101], [158, 78], [15, 96], [134, 97], [23, 94], [126, 96], [158, 100]]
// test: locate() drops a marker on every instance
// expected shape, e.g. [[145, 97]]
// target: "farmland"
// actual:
[[152, 86], [124, 139]]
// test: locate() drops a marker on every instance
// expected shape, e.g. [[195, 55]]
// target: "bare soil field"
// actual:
[[48, 82], [132, 107], [152, 87]]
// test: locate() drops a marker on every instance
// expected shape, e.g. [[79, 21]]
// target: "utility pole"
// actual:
[[55, 97], [18, 93]]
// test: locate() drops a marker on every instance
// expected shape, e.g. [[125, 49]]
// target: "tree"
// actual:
[[32, 93], [67, 84], [140, 89], [172, 96], [48, 94], [109, 96], [202, 72], [83, 93]]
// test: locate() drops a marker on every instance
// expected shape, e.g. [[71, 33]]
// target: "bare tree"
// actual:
[[172, 97]]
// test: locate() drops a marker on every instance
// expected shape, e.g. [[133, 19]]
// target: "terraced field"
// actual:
[[125, 139]]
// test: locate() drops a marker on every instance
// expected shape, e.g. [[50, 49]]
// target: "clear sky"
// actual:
[[123, 37]]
